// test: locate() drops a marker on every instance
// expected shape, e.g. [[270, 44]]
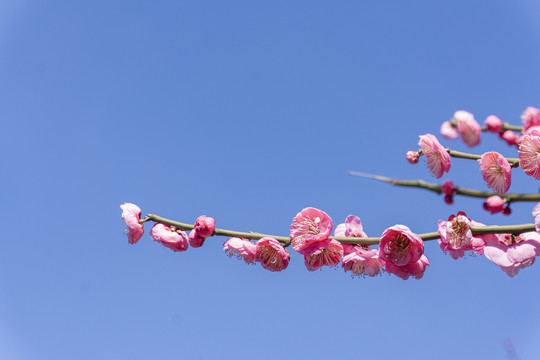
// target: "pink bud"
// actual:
[[205, 226], [494, 204], [510, 137], [412, 157], [448, 187], [449, 199], [494, 124], [507, 211], [195, 240]]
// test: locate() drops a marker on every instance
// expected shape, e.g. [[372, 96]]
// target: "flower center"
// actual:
[[399, 247]]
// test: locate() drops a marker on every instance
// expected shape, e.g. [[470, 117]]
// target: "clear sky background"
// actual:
[[249, 111]]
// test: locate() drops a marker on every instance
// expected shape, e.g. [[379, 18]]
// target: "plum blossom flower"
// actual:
[[169, 236], [494, 124], [205, 226], [529, 150], [309, 226], [271, 254], [494, 204], [412, 157], [400, 246], [352, 227], [132, 215], [323, 253], [241, 248], [530, 117], [415, 269], [438, 160], [510, 137], [363, 262], [511, 252], [457, 238], [448, 130], [468, 127], [536, 215], [195, 240], [496, 171], [456, 232]]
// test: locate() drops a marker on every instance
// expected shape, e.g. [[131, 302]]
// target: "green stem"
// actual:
[[286, 241], [514, 162], [459, 191], [505, 126]]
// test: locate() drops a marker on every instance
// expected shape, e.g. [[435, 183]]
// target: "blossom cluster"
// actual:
[[400, 251]]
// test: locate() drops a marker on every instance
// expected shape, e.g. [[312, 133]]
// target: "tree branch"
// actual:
[[458, 191]]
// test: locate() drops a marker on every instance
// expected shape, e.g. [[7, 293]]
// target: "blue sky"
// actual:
[[249, 111]]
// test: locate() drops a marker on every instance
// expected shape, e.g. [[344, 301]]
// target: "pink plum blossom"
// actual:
[[448, 130], [448, 187], [536, 215], [195, 240], [309, 226], [323, 253], [352, 227], [457, 238], [510, 137], [205, 226], [363, 262], [456, 232], [271, 254], [494, 124], [496, 171], [415, 269], [511, 252], [412, 157], [468, 128], [438, 160], [400, 246], [530, 117], [169, 236], [529, 150], [132, 216], [241, 248], [494, 204]]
